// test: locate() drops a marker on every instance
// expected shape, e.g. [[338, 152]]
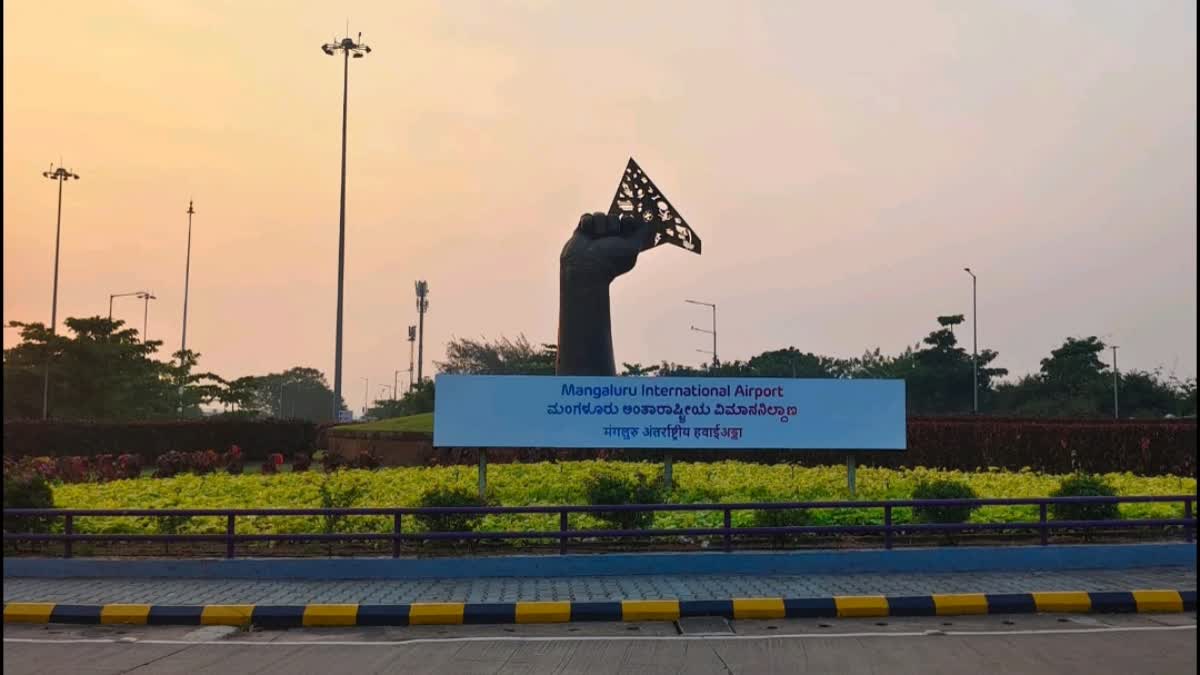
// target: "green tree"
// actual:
[[415, 401], [942, 377], [296, 393], [637, 370], [465, 356], [99, 370]]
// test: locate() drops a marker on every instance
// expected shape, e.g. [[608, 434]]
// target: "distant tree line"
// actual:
[[101, 370], [1073, 381]]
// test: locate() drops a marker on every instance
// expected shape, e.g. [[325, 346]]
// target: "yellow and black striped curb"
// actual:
[[417, 613]]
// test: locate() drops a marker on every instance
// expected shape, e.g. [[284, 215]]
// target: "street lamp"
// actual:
[[120, 295], [61, 175], [1116, 385], [974, 339], [146, 316], [187, 273], [348, 48], [712, 332], [412, 340]]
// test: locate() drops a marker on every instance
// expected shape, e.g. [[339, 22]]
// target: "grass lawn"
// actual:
[[422, 423]]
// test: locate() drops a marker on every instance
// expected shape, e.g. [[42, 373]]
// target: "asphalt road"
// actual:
[[987, 644]]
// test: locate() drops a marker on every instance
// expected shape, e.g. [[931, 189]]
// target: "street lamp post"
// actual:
[[120, 295], [187, 273], [412, 340], [146, 316], [366, 386], [974, 340], [712, 332], [61, 175], [1116, 386], [348, 48]]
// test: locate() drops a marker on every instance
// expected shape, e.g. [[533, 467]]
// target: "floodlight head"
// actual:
[[358, 55], [366, 49], [328, 49]]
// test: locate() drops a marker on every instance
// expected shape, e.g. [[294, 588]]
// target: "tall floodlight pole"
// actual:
[[974, 339], [1116, 386], [713, 332], [395, 382], [187, 273], [412, 340], [422, 306], [348, 48], [61, 175], [146, 316]]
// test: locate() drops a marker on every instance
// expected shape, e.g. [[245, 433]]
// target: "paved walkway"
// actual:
[[580, 589]]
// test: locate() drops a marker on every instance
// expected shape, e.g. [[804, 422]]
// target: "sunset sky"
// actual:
[[842, 161]]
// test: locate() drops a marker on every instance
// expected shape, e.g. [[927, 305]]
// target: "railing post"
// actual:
[[1042, 522], [562, 527], [229, 529], [887, 526], [728, 534], [396, 524], [69, 529], [1187, 515]]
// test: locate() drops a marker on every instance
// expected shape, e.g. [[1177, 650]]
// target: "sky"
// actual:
[[842, 162]]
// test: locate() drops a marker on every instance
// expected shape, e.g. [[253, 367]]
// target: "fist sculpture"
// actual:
[[602, 248]]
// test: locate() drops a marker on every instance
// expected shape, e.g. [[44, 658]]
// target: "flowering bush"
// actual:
[[366, 460], [170, 464], [301, 462], [233, 461]]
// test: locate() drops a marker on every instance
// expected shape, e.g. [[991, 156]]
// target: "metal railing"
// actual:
[[1043, 526]]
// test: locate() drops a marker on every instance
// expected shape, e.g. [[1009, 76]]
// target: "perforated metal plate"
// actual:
[[638, 197]]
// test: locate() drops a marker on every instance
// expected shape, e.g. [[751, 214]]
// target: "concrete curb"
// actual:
[[293, 616]]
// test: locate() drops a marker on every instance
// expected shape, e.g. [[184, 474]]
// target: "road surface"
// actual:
[[1027, 644]]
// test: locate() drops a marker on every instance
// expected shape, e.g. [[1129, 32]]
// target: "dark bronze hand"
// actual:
[[602, 248]]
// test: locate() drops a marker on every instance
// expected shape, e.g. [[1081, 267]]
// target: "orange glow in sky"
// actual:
[[841, 161]]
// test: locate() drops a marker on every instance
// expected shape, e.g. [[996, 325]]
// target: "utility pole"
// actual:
[[61, 175], [974, 340], [1116, 386], [357, 50], [412, 340], [712, 332], [395, 383], [422, 306]]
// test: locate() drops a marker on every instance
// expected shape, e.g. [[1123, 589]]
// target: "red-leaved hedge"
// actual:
[[256, 438]]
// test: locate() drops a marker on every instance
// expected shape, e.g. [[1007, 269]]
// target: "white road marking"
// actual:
[[608, 638]]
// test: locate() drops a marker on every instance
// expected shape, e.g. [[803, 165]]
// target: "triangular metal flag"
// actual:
[[638, 197]]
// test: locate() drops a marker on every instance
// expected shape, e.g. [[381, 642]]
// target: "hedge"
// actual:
[[1145, 447], [256, 438]]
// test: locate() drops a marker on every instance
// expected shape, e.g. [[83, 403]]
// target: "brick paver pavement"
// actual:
[[594, 588]]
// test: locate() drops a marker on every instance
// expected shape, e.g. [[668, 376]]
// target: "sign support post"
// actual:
[[851, 471], [668, 465], [482, 473]]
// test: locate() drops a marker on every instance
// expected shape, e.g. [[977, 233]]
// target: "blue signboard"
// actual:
[[481, 411]]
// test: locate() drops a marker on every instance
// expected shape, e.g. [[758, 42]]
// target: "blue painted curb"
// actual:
[[925, 560], [293, 616]]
